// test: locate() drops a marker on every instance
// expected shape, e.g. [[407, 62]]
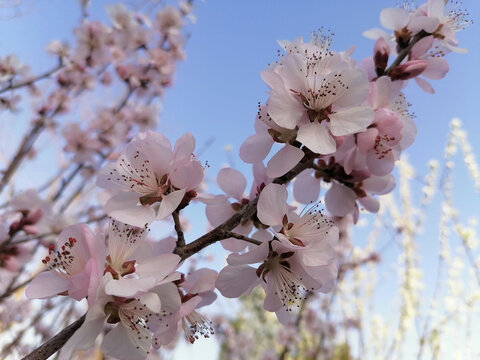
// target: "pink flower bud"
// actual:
[[381, 51], [408, 70], [124, 71], [34, 216]]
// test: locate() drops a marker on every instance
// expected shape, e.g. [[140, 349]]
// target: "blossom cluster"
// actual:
[[352, 118]]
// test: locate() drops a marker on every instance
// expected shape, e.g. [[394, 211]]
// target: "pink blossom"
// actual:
[[150, 179], [282, 273], [10, 67], [431, 18], [436, 66], [311, 234], [81, 143], [256, 147], [196, 290], [133, 273], [449, 22], [316, 91], [74, 267], [341, 200], [135, 320], [92, 49]]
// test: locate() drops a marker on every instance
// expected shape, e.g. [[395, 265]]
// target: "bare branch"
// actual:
[[54, 344]]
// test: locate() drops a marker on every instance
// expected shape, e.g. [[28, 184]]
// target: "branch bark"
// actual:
[[54, 344]]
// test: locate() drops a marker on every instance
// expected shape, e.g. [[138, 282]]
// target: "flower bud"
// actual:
[[381, 51], [408, 70]]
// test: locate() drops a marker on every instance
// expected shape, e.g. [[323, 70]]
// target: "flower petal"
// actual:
[[316, 138], [158, 266], [394, 18], [436, 68], [256, 148], [232, 182], [350, 120], [340, 200], [124, 207], [257, 255], [45, 285], [169, 203], [306, 187], [184, 146], [283, 161], [425, 85], [120, 344], [234, 281], [272, 205], [284, 108], [128, 287]]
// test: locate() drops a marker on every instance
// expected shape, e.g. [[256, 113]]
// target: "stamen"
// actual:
[[195, 325]]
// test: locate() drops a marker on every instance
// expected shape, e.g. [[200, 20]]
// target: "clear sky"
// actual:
[[217, 88]]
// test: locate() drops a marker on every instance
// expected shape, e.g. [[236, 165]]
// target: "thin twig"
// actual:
[[67, 181], [33, 80], [11, 290], [242, 237], [10, 242]]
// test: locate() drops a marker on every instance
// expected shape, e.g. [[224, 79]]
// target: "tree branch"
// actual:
[[178, 229], [241, 237], [54, 344]]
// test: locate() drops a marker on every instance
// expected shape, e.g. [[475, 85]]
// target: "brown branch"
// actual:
[[241, 237], [54, 344], [178, 229]]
